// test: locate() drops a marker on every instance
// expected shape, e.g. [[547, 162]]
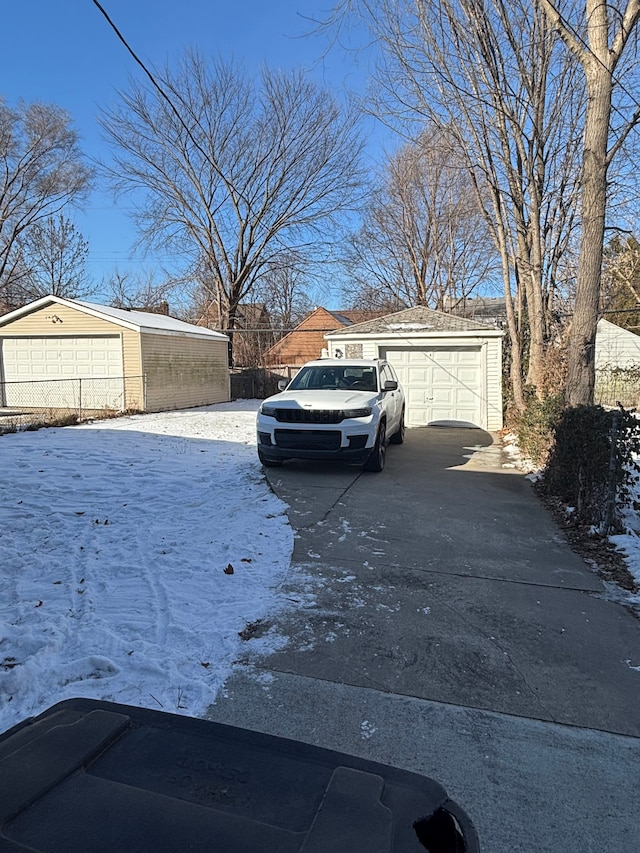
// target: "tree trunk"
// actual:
[[581, 352]]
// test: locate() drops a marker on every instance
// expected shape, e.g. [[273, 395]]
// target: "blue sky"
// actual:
[[64, 52]]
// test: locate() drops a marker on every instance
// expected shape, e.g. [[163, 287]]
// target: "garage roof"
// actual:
[[416, 320], [138, 321]]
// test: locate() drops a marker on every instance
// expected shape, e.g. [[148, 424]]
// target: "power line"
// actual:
[[160, 91]]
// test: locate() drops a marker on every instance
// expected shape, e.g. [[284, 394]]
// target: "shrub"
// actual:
[[581, 468], [535, 427]]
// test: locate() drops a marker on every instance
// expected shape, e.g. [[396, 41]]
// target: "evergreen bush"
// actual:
[[581, 469]]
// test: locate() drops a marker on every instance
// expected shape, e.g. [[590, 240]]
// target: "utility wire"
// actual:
[[159, 89]]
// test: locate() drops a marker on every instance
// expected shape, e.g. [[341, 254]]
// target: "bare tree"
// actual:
[[424, 240], [41, 171], [54, 256], [236, 172], [142, 291], [608, 30], [284, 289], [620, 295], [493, 75]]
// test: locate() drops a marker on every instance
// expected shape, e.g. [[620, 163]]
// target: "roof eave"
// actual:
[[179, 333], [418, 333]]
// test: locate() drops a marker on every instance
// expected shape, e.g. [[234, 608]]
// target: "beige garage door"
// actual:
[[46, 371], [442, 384]]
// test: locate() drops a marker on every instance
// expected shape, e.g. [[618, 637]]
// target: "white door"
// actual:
[[441, 384], [63, 372]]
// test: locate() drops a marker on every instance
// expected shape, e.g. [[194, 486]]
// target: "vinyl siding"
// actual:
[[617, 366], [58, 321], [616, 347], [182, 372], [494, 384]]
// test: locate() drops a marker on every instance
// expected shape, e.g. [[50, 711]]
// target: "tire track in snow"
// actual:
[[157, 620]]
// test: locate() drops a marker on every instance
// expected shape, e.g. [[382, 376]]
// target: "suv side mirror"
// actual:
[[282, 384], [390, 385]]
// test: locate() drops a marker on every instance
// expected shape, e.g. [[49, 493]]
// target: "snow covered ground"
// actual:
[[133, 552]]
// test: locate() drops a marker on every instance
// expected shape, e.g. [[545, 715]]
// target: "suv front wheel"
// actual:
[[375, 462], [398, 437]]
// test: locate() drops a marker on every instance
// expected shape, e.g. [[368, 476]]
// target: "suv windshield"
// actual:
[[341, 377]]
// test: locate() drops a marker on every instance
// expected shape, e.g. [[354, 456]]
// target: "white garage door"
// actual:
[[441, 384], [46, 371]]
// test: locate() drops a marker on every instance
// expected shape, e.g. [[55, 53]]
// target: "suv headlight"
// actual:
[[357, 413], [268, 411]]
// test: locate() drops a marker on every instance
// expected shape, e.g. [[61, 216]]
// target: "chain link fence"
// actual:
[[618, 385], [54, 401]]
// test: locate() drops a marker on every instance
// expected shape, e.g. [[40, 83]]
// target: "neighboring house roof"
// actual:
[[350, 316], [139, 321], [306, 341], [483, 308], [416, 320]]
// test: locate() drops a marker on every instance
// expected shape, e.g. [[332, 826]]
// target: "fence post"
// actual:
[[611, 479], [79, 399]]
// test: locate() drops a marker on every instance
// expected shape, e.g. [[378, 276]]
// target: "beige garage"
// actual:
[[61, 353], [449, 367]]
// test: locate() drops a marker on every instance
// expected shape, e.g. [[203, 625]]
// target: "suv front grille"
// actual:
[[309, 416], [308, 439]]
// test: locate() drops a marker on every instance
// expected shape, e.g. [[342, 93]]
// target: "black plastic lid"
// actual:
[[95, 776]]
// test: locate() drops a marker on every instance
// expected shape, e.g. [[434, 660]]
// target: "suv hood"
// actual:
[[331, 399]]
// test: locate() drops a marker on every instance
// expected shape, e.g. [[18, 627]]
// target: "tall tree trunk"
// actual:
[[581, 353], [609, 30]]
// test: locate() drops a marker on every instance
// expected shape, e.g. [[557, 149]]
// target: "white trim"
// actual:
[[412, 334]]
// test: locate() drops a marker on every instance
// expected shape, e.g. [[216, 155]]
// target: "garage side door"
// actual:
[[442, 384], [43, 371]]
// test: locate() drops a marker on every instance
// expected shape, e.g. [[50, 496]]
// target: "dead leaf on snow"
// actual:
[[254, 629]]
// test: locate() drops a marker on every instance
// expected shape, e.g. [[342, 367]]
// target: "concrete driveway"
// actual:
[[438, 621]]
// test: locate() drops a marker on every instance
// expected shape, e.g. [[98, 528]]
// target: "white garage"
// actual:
[[450, 367]]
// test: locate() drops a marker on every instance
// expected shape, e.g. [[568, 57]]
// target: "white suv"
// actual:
[[334, 409]]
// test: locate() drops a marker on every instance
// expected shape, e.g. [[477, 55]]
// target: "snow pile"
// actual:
[[628, 542], [133, 552], [409, 326], [514, 458]]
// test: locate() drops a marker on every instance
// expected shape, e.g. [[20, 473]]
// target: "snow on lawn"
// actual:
[[132, 553], [628, 542]]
